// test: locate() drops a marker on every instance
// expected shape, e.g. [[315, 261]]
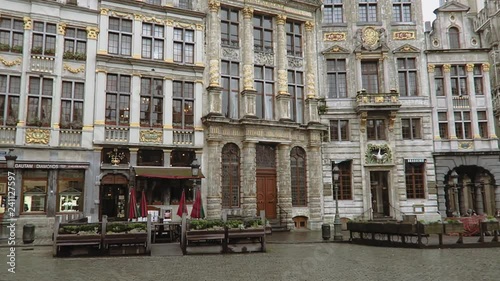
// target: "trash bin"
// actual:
[[325, 231], [28, 233]]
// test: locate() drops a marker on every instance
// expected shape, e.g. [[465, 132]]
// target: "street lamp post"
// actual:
[[337, 234], [454, 179]]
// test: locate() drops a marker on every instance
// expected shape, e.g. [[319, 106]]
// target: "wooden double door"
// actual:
[[380, 193], [266, 192]]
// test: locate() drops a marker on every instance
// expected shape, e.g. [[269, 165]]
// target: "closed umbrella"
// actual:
[[182, 205], [144, 205], [197, 212], [132, 211]]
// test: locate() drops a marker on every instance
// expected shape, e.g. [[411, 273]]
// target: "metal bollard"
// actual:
[[325, 231], [28, 233]]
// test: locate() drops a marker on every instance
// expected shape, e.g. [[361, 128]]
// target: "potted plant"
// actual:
[[50, 52], [430, 227], [490, 223], [35, 122], [11, 121], [68, 55], [453, 225], [17, 49], [80, 56], [76, 125], [37, 50], [4, 47]]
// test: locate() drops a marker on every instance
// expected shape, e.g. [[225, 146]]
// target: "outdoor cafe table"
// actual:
[[171, 228]]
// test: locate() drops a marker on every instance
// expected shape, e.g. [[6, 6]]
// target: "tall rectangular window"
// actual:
[[369, 76], [230, 78], [443, 125], [264, 84], [375, 129], [183, 105], [118, 90], [463, 125], [70, 185], [183, 45], [75, 44], [339, 130], [439, 80], [151, 102], [72, 97], [153, 40], [407, 74], [120, 37], [415, 178], [337, 78], [296, 91], [333, 11], [367, 10], [293, 38], [44, 38], [229, 27], [10, 90], [401, 10], [345, 180], [458, 79], [411, 128], [263, 33], [478, 80], [11, 35], [482, 120], [34, 191], [40, 94]]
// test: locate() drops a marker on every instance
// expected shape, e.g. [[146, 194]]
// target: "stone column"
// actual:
[[432, 91], [315, 184], [135, 109], [213, 56], [90, 83], [449, 102], [248, 182], [489, 102], [311, 111], [248, 105], [213, 179], [472, 101], [166, 157], [283, 97], [103, 36], [479, 200], [284, 182]]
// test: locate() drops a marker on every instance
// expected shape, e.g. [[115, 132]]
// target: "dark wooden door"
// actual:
[[380, 193], [266, 194]]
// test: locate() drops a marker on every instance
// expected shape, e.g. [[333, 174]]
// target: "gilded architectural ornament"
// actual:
[[262, 58], [37, 136], [334, 36], [61, 28], [199, 26], [169, 22], [446, 67], [92, 32], [280, 19], [431, 68], [493, 136], [214, 73], [138, 17], [122, 15], [104, 11], [486, 67], [28, 23], [470, 67], [247, 12], [403, 35], [362, 122], [74, 70], [477, 137], [465, 145], [10, 63], [378, 154], [309, 25], [213, 5], [371, 38], [379, 99]]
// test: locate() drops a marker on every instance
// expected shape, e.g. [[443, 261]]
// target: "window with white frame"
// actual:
[[120, 37], [10, 90], [482, 120], [415, 179], [40, 92], [333, 11], [401, 10], [367, 10], [72, 97], [411, 128], [44, 38], [339, 130], [293, 38], [463, 125], [183, 45], [151, 102], [183, 105], [118, 90], [11, 35], [229, 26], [264, 85], [230, 80], [153, 39], [336, 74], [75, 44], [296, 91], [407, 73]]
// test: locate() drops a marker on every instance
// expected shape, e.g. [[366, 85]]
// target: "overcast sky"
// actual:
[[428, 6]]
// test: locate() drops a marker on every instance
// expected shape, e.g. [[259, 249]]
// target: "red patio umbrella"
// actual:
[[182, 205], [132, 212], [144, 205], [197, 212]]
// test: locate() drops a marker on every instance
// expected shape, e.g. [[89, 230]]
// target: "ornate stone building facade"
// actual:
[[261, 121]]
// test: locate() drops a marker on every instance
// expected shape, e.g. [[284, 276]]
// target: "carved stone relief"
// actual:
[[262, 58]]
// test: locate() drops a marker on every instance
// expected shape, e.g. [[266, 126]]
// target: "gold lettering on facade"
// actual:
[[403, 35]]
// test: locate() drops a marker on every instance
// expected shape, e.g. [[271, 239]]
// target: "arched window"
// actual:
[[298, 176], [454, 37], [230, 176]]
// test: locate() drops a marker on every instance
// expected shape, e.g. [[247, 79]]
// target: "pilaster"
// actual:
[[489, 102], [103, 36], [310, 51], [315, 184], [248, 50], [283, 105], [248, 106], [472, 101], [213, 180], [449, 102], [311, 111], [248, 179], [432, 90]]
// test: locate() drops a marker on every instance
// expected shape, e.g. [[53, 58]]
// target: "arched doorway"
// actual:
[[266, 179], [113, 195], [469, 190]]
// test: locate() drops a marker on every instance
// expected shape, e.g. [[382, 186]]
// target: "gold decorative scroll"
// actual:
[[10, 63], [74, 70], [37, 136], [334, 36], [403, 35]]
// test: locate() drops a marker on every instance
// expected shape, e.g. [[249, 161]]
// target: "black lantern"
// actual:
[[335, 172], [10, 158]]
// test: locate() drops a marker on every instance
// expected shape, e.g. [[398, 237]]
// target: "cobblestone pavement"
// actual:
[[316, 261]]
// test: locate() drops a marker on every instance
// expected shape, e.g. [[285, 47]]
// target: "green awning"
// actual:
[[166, 172]]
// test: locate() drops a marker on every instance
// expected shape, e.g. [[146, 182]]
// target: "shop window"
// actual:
[[176, 192], [70, 190], [34, 191], [181, 158], [146, 157]]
